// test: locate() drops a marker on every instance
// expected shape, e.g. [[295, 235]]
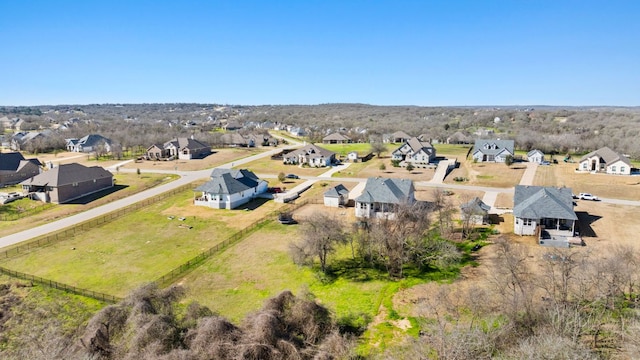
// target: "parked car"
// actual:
[[292, 176], [587, 196], [274, 190]]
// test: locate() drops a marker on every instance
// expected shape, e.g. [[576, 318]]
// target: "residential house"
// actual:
[[546, 212], [297, 131], [396, 137], [232, 125], [459, 137], [414, 152], [607, 161], [180, 148], [381, 196], [67, 182], [492, 150], [236, 140], [475, 211], [14, 168], [535, 156], [91, 143], [311, 155], [336, 196], [336, 138], [229, 188]]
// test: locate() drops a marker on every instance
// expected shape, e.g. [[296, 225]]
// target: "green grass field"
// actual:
[[452, 150], [268, 166], [343, 149], [140, 247]]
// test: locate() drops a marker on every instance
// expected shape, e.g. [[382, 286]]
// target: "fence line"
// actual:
[[60, 286], [87, 225]]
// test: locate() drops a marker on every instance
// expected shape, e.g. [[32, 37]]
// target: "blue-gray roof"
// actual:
[[493, 147], [388, 191], [537, 202], [475, 207], [336, 191], [229, 181]]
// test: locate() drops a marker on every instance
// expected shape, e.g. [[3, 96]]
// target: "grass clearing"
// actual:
[[371, 168], [452, 150], [268, 166], [487, 174], [126, 185], [343, 149], [118, 256], [217, 158], [602, 185]]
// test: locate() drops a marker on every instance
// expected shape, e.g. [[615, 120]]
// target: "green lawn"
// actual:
[[452, 150], [140, 247], [268, 166], [25, 214], [343, 149]]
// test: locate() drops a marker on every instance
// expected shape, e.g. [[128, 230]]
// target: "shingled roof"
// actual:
[[388, 191], [10, 161], [475, 207], [336, 191], [537, 202], [493, 147], [229, 181], [66, 174], [609, 156]]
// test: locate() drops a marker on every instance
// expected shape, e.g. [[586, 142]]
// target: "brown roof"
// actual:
[[66, 174]]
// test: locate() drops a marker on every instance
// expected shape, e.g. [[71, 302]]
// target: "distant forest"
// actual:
[[551, 129]]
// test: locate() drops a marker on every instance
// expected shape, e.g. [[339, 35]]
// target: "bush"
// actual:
[[395, 163], [460, 179]]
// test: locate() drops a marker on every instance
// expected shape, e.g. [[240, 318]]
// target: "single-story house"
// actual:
[[91, 143], [535, 156], [607, 161], [460, 137], [336, 138], [414, 152], [229, 188], [312, 155], [546, 212], [336, 196], [234, 139], [396, 137], [475, 211], [14, 168], [381, 196], [492, 150], [180, 148], [67, 182]]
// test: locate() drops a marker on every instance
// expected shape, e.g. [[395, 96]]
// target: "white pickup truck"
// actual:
[[587, 196]]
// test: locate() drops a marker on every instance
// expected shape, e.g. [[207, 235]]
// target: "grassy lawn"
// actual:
[[241, 278], [452, 150], [602, 185], [126, 185], [343, 149], [371, 168], [487, 174], [118, 256], [217, 158], [268, 166]]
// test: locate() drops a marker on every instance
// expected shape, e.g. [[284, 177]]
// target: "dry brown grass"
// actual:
[[504, 200], [488, 174], [602, 185], [371, 168], [219, 157]]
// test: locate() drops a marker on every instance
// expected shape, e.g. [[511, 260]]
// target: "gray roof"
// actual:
[[475, 207], [336, 191], [493, 147], [186, 143], [312, 151], [389, 191], [336, 137], [537, 202], [93, 140], [609, 156], [533, 152], [10, 161], [66, 174], [417, 145], [229, 181]]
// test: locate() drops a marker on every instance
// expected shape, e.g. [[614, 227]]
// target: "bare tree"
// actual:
[[320, 233], [378, 148]]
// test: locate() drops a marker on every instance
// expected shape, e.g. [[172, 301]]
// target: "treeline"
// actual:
[[569, 305], [151, 324]]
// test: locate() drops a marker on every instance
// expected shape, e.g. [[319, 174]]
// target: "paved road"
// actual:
[[186, 177]]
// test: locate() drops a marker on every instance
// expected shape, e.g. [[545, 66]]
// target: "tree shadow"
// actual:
[[495, 219], [584, 223], [98, 195], [253, 204]]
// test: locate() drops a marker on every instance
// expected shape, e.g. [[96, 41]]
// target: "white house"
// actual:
[[546, 212], [311, 155], [381, 196], [492, 150], [415, 152], [607, 161], [475, 211], [229, 188], [336, 196], [535, 156], [90, 143]]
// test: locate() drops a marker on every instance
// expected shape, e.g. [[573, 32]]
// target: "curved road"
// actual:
[[187, 177]]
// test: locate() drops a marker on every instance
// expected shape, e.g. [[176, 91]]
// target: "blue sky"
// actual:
[[430, 53]]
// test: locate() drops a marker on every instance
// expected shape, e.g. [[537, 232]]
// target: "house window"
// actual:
[[527, 222], [613, 168], [74, 184], [622, 169]]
